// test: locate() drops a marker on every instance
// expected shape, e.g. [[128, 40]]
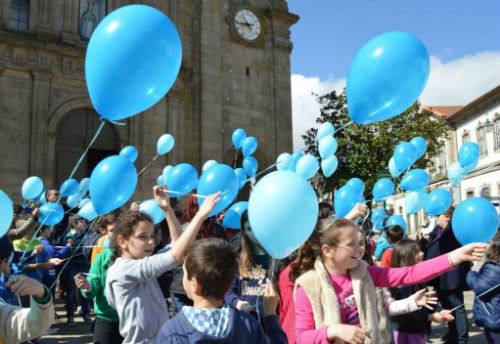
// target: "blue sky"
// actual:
[[330, 32]]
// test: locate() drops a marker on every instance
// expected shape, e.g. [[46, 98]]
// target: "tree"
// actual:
[[364, 150]]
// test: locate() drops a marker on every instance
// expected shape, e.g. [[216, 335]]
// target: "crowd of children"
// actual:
[[328, 291]]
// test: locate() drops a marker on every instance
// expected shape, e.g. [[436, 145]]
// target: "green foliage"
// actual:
[[364, 150]]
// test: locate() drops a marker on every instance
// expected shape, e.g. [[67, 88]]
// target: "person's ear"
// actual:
[[327, 251], [122, 242], [195, 286]]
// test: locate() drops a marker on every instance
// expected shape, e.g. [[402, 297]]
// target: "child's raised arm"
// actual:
[[163, 201]]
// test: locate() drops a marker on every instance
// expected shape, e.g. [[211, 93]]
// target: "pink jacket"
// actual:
[[286, 309]]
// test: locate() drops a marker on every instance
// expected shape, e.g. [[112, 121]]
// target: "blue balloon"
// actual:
[[7, 211], [250, 166], [132, 60], [51, 214], [420, 145], [32, 187], [414, 201], [378, 216], [232, 219], [468, 156], [282, 210], [329, 165], [474, 220], [327, 147], [161, 180], [87, 211], [129, 152], [69, 187], [307, 166], [382, 189], [397, 220], [324, 130], [74, 199], [238, 136], [166, 170], [415, 179], [249, 146], [296, 157], [404, 155], [41, 198], [345, 200], [84, 201], [455, 173], [84, 186], [182, 178], [112, 183], [393, 169], [386, 77], [242, 176], [208, 164], [217, 178], [165, 144], [152, 208], [437, 202], [357, 184], [285, 162]]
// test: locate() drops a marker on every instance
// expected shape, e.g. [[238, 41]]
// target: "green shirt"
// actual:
[[97, 278]]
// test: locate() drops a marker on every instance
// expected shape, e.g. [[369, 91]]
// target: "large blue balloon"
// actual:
[[32, 187], [404, 155], [420, 145], [69, 187], [112, 183], [357, 184], [232, 219], [250, 166], [307, 166], [182, 178], [51, 214], [283, 210], [132, 60], [378, 216], [382, 189], [386, 76], [248, 146], [130, 152], [397, 220], [437, 202], [345, 200], [455, 173], [474, 220], [415, 179], [238, 136], [414, 201], [217, 178], [7, 211], [165, 144], [324, 130], [152, 208], [327, 147], [468, 156], [242, 176]]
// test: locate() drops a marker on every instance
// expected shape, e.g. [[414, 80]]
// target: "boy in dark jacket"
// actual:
[[210, 266], [487, 280]]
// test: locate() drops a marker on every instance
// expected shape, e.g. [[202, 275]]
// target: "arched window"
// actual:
[[496, 130], [485, 192], [465, 137], [481, 139]]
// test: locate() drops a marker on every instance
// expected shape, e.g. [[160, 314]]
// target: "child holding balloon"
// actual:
[[335, 296], [131, 286]]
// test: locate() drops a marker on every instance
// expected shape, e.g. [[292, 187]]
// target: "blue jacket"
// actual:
[[242, 329], [487, 308], [382, 245], [54, 252], [440, 244]]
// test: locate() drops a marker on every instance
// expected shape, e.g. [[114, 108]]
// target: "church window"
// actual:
[[91, 13], [481, 140], [19, 14], [496, 129], [465, 137]]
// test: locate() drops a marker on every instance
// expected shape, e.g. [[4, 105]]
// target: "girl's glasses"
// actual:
[[351, 247]]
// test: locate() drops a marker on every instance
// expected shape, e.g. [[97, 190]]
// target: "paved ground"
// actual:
[[81, 333]]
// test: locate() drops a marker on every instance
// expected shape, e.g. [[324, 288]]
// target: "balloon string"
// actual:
[[73, 254], [342, 127], [477, 296], [33, 237], [178, 192], [235, 158], [149, 163], [116, 122], [366, 217]]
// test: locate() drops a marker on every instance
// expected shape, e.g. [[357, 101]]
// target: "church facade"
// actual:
[[235, 73]]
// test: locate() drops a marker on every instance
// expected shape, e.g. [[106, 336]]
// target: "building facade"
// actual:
[[231, 77]]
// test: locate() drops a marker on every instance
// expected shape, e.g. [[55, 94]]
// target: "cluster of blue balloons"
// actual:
[[468, 157], [327, 146], [406, 154], [248, 146]]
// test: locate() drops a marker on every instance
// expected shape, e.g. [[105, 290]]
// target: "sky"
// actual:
[[461, 36]]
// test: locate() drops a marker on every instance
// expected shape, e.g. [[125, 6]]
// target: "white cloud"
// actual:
[[456, 82], [305, 108], [460, 81]]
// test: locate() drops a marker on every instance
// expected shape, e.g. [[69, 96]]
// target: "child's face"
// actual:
[[362, 243], [419, 256], [346, 253], [141, 242], [109, 231], [4, 265]]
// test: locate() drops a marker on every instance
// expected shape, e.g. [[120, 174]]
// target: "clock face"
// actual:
[[247, 24]]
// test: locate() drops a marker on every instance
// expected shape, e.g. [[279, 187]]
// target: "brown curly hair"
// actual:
[[327, 232], [209, 227]]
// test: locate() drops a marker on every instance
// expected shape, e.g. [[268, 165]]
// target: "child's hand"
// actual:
[[208, 205], [81, 282], [425, 298], [347, 333], [161, 197], [243, 306], [47, 265], [359, 210], [444, 315], [135, 206], [55, 261], [24, 285], [270, 300], [468, 253]]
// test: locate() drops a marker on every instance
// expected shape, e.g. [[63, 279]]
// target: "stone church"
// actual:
[[235, 73]]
